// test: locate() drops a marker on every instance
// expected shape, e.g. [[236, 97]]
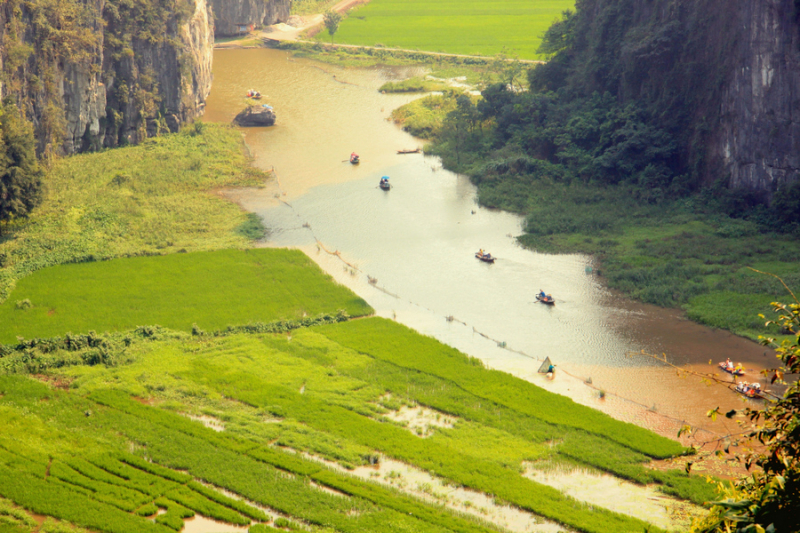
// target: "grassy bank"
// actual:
[[451, 26], [155, 198], [210, 289]]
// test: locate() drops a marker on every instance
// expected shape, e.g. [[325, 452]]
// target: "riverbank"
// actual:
[[683, 253]]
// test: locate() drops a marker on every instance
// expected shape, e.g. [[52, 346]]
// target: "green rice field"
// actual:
[[105, 447], [211, 289], [452, 26]]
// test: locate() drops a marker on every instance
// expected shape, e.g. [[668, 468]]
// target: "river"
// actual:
[[410, 251]]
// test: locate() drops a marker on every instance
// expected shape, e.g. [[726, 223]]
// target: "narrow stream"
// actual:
[[418, 241]]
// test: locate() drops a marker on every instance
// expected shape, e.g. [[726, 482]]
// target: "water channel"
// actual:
[[418, 241]]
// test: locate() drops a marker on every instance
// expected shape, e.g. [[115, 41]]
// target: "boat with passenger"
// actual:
[[384, 183], [729, 367], [751, 390], [354, 159], [545, 298], [486, 257]]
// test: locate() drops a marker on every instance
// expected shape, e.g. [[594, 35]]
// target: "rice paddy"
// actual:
[[213, 290], [133, 441], [472, 28]]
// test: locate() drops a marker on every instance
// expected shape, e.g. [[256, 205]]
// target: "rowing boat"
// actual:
[[485, 257]]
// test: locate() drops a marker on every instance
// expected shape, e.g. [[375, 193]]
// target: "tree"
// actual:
[[768, 500], [332, 20], [459, 128], [20, 173]]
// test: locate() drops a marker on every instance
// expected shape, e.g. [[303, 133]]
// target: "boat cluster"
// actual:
[[751, 390]]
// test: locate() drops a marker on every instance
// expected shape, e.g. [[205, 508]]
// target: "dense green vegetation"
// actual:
[[211, 290], [83, 438], [20, 174], [598, 174], [474, 29], [143, 200]]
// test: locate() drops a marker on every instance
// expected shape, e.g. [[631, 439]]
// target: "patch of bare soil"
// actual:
[[57, 382], [418, 483], [421, 421]]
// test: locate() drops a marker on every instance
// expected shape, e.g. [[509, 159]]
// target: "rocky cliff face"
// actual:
[[757, 140], [100, 73], [721, 76], [229, 15]]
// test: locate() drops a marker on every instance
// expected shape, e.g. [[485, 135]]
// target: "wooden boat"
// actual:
[[485, 257], [384, 184], [354, 159], [749, 391], [735, 370], [414, 151], [549, 300]]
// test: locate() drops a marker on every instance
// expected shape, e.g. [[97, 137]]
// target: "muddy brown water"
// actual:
[[410, 251]]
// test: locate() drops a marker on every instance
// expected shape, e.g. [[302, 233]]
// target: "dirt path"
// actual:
[[311, 23]]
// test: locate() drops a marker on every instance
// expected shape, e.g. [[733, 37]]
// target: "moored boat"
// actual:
[[728, 367], [414, 151], [486, 257]]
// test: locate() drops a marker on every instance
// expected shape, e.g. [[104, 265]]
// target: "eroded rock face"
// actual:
[[231, 15], [255, 116], [721, 76], [758, 138], [116, 83]]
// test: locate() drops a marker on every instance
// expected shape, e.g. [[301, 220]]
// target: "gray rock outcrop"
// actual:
[[721, 76], [757, 141], [255, 116], [230, 16], [109, 79]]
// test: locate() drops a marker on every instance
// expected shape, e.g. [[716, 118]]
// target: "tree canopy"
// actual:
[[332, 20], [20, 173]]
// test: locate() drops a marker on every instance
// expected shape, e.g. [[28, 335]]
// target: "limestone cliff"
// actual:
[[757, 140], [231, 15], [100, 73], [721, 76]]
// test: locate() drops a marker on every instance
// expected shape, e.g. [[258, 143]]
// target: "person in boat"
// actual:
[[542, 295], [739, 368], [728, 364]]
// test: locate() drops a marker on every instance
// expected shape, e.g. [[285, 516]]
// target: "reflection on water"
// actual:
[[418, 241]]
